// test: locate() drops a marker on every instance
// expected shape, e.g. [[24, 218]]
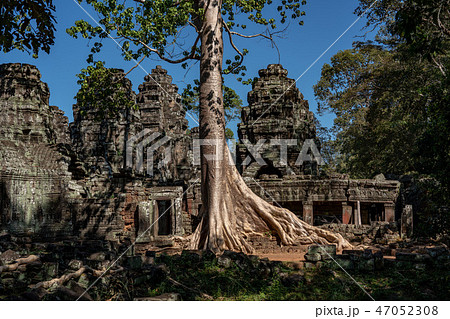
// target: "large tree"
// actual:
[[230, 210], [391, 97]]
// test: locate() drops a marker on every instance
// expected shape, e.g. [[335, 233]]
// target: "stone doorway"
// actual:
[[164, 217], [326, 212], [161, 215]]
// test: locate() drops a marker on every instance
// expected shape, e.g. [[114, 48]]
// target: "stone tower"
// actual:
[[278, 115], [35, 182], [161, 112], [100, 143]]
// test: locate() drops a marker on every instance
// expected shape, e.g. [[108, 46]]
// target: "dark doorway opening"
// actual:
[[195, 219], [376, 211], [327, 212], [164, 217]]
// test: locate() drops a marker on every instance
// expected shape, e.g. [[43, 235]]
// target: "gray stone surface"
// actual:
[[59, 180]]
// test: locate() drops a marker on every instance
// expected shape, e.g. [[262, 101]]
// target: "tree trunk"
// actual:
[[230, 210]]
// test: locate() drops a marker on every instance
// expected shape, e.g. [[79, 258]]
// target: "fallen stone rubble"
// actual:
[[65, 270], [420, 258], [94, 270]]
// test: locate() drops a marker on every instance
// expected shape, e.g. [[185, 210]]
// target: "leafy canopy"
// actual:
[[170, 30], [27, 25], [107, 100], [422, 27], [391, 97], [163, 27]]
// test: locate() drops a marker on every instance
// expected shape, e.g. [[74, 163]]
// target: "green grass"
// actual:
[[248, 278], [247, 281]]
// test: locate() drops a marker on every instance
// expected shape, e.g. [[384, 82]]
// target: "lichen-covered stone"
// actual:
[[35, 182], [276, 111], [61, 180]]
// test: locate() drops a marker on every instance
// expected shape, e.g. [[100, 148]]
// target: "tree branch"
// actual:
[[440, 24], [173, 5], [439, 65], [134, 67], [249, 36], [262, 35], [190, 56], [234, 47]]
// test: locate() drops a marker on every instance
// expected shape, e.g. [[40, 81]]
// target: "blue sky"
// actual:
[[325, 21]]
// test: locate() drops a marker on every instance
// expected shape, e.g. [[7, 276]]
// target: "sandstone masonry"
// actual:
[[85, 180]]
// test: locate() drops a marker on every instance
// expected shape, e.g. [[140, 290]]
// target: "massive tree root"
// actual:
[[231, 212], [242, 213]]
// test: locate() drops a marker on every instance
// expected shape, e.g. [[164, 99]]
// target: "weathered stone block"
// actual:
[[224, 261], [8, 257], [163, 297], [314, 249], [75, 264], [436, 251], [313, 257], [99, 256], [309, 265]]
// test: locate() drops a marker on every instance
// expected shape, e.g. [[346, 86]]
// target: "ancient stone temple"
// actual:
[[277, 119], [278, 156], [100, 140], [36, 188], [163, 115], [59, 180], [137, 165], [130, 176]]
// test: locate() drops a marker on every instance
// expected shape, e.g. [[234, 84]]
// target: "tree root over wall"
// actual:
[[242, 213]]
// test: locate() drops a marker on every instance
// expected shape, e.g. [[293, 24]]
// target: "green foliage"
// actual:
[[390, 98], [145, 28], [162, 28], [27, 25], [155, 27], [229, 134], [107, 100], [370, 125], [432, 218], [246, 281], [422, 25]]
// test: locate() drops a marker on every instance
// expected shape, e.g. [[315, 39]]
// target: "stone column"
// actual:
[[178, 215], [145, 213], [347, 211], [308, 214], [357, 220], [407, 221], [389, 212]]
